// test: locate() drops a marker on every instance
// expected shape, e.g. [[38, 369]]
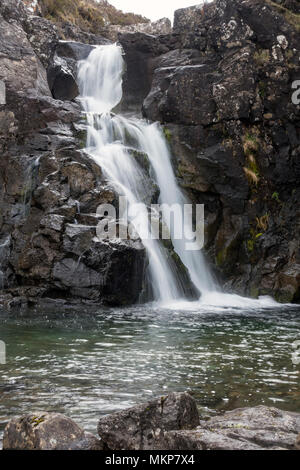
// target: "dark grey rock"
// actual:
[[61, 80], [225, 97], [63, 67], [221, 85], [73, 50], [138, 428]]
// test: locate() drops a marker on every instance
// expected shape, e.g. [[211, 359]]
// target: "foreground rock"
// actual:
[[47, 431], [141, 427], [170, 422], [259, 428]]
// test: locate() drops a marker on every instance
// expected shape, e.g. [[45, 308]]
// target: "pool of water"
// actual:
[[90, 363]]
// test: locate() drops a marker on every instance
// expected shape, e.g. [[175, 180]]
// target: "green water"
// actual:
[[90, 363]]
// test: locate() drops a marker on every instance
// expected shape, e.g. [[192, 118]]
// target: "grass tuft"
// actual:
[[88, 15], [252, 177]]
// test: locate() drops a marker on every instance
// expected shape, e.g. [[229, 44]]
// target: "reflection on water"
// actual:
[[90, 364]]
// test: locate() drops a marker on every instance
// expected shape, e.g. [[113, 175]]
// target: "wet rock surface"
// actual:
[[224, 95], [46, 181], [220, 83]]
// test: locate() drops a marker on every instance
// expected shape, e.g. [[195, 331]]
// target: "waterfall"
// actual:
[[109, 140]]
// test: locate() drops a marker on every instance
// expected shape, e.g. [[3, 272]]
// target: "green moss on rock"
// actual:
[[168, 134]]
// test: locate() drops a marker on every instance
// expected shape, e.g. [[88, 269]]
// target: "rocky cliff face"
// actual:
[[49, 188], [220, 82]]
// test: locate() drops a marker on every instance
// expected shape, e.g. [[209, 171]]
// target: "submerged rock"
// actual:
[[47, 431], [139, 428]]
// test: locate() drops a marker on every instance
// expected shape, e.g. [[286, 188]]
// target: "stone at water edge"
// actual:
[[258, 428], [47, 431], [138, 428]]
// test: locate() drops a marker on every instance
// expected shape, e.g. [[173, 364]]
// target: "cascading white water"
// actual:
[[100, 79], [108, 139]]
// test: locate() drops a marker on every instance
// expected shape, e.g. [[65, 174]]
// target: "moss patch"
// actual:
[[168, 134], [262, 57]]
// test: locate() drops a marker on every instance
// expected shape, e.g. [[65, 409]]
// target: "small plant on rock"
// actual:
[[262, 223], [252, 177], [251, 147], [262, 57]]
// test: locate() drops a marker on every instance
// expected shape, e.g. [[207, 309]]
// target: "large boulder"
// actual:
[[139, 427], [259, 428], [63, 67], [101, 270], [47, 431], [61, 80]]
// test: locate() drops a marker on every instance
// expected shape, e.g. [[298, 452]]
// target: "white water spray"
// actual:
[[108, 141]]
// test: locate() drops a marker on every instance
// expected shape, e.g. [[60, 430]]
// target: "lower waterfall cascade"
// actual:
[[110, 137]]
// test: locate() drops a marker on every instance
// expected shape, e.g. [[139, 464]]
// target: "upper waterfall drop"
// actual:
[[100, 79], [108, 141]]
